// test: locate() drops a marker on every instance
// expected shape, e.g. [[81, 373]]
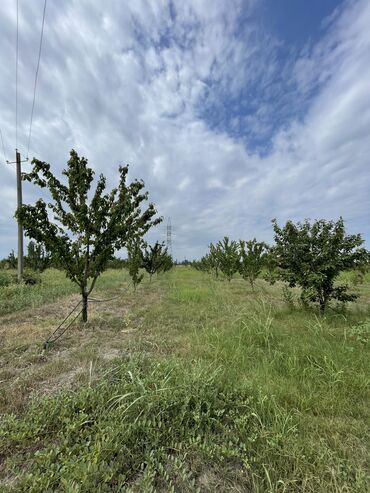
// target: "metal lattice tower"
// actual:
[[169, 236]]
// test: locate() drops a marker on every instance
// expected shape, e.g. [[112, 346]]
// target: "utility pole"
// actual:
[[18, 163], [19, 205]]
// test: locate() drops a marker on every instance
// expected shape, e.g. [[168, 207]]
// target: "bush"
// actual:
[[6, 278], [30, 277]]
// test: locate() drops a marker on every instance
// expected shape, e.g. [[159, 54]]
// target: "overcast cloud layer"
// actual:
[[227, 125]]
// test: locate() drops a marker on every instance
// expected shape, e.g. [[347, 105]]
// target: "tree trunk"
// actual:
[[322, 305], [84, 307]]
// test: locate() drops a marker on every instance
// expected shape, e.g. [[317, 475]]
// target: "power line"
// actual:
[[169, 236], [2, 143], [16, 83], [36, 76]]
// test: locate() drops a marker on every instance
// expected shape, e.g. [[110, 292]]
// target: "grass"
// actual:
[[189, 384]]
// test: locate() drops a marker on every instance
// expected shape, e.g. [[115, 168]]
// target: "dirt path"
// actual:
[[27, 369]]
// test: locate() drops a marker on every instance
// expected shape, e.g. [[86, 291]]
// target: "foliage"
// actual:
[[85, 232], [136, 430], [313, 255], [10, 262], [31, 277], [155, 259], [294, 377], [361, 332], [167, 263], [117, 263], [5, 278], [270, 271], [204, 264], [252, 258], [227, 256], [38, 259], [212, 259], [134, 261]]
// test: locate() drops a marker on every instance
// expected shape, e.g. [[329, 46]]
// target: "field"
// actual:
[[189, 384]]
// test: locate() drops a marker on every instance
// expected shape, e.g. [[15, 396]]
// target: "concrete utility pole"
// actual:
[[19, 205], [18, 162]]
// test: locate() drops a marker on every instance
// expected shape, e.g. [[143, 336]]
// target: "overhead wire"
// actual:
[[16, 79], [36, 76]]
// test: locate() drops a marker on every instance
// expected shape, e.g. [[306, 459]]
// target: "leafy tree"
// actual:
[[12, 260], [203, 264], [313, 255], [213, 259], [270, 264], [135, 261], [117, 263], [227, 255], [155, 259], [167, 263], [86, 228], [37, 258], [252, 257]]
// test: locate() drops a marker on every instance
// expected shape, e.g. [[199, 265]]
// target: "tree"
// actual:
[[85, 232], [227, 256], [203, 265], [271, 272], [252, 257], [12, 260], [135, 261], [212, 259], [167, 263], [37, 257], [313, 255], [156, 259]]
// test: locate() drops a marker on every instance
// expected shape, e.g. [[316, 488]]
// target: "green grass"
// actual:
[[54, 284], [218, 389]]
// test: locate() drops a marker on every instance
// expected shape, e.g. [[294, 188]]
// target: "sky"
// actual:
[[233, 112]]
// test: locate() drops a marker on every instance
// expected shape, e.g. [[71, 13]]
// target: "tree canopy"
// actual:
[[84, 229]]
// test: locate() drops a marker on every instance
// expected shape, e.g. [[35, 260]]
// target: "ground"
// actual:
[[188, 384]]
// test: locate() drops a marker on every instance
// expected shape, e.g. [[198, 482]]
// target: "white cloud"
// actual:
[[130, 85]]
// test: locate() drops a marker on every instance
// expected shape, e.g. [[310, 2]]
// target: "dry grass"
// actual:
[[26, 369]]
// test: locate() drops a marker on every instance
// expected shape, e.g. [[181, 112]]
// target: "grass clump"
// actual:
[[145, 425]]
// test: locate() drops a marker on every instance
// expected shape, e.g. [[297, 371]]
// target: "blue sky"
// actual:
[[233, 112]]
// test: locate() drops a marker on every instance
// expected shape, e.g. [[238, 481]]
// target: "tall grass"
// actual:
[[222, 390]]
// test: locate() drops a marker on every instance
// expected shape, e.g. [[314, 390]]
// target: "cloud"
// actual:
[[226, 125]]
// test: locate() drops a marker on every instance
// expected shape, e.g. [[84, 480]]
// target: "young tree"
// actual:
[[252, 257], [271, 271], [313, 255], [227, 255], [12, 260], [155, 259], [135, 262], [85, 232], [167, 263], [203, 265], [37, 257]]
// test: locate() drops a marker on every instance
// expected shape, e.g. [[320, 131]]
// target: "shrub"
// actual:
[[31, 277], [5, 278]]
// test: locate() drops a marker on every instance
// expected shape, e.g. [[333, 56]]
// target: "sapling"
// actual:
[[80, 228]]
